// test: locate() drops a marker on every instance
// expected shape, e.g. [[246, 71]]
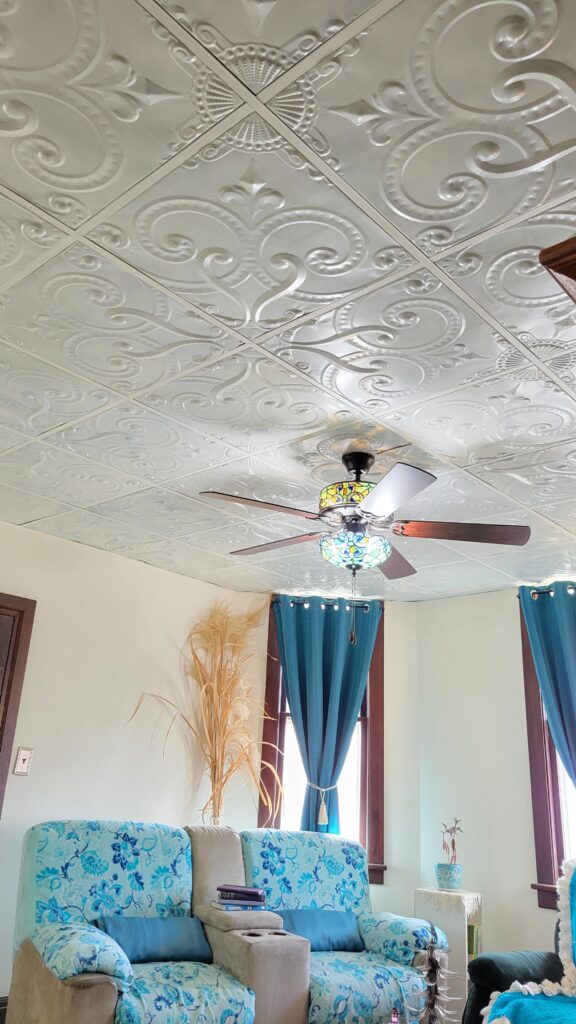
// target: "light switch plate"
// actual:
[[23, 759]]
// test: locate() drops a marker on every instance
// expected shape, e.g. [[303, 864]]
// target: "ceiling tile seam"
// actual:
[[502, 458], [328, 48], [515, 501], [424, 260], [152, 534], [16, 347], [120, 398], [491, 378], [163, 170], [359, 293], [492, 568], [41, 261], [502, 226], [29, 207]]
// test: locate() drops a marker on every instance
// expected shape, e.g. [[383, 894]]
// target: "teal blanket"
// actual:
[[518, 1008]]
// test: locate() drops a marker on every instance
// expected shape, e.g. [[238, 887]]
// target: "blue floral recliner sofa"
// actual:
[[310, 871], [67, 971]]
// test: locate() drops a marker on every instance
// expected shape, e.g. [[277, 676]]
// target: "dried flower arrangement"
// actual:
[[449, 839], [217, 651]]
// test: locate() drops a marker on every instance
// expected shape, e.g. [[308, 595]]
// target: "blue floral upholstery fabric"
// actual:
[[74, 871], [306, 870], [362, 988], [71, 949], [397, 938], [184, 993]]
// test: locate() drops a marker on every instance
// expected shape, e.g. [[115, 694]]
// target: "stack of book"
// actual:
[[240, 897]]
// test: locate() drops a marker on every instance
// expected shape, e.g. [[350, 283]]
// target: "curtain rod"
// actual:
[[535, 594], [328, 602]]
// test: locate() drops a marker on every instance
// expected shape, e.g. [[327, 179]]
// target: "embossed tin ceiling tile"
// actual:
[[97, 532], [142, 443], [164, 512], [25, 239], [514, 413], [456, 496], [90, 315], [533, 565], [504, 275], [318, 458], [35, 397], [259, 581], [563, 513], [249, 231], [262, 530], [21, 507], [62, 476], [412, 339], [100, 95], [9, 439], [258, 40], [174, 556], [462, 578], [542, 533], [534, 478], [248, 401], [452, 115], [250, 478]]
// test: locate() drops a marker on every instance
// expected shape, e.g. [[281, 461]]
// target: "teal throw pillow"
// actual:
[[327, 930], [148, 940]]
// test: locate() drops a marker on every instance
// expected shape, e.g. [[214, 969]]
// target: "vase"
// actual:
[[449, 876]]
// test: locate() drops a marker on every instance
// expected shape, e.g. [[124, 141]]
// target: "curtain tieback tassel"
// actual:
[[322, 810]]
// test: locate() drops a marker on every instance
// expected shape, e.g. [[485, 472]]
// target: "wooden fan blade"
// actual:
[[400, 484], [300, 539], [259, 504], [396, 567], [480, 533]]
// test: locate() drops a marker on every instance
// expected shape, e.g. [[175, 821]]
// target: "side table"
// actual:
[[454, 911]]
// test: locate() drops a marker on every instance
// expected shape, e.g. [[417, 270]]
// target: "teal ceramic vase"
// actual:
[[449, 876]]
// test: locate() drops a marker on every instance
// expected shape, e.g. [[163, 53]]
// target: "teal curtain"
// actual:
[[551, 626], [325, 677]]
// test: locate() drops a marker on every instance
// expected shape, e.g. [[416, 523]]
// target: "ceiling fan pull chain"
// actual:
[[353, 637]]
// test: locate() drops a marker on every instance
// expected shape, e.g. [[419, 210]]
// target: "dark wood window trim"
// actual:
[[21, 611], [371, 720], [548, 840]]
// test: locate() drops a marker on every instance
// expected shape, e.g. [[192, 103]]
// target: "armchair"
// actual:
[[67, 971], [309, 870]]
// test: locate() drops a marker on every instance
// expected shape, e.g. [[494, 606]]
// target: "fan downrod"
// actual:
[[358, 463]]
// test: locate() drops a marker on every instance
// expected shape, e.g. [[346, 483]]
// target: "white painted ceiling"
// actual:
[[236, 236]]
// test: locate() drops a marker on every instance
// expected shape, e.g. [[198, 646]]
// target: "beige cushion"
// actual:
[[216, 859], [228, 921]]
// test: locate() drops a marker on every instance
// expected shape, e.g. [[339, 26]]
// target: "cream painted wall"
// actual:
[[106, 629], [474, 759]]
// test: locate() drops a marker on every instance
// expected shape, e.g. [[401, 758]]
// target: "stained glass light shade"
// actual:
[[349, 549], [344, 493]]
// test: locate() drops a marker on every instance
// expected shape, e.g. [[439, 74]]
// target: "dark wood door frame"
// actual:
[[21, 610]]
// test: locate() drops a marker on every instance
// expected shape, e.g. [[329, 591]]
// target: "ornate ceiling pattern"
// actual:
[[236, 237]]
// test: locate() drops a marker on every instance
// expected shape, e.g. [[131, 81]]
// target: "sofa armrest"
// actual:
[[274, 964], [38, 997], [71, 949], [497, 971], [237, 920], [398, 938]]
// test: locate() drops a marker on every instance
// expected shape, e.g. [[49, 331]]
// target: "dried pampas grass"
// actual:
[[217, 651]]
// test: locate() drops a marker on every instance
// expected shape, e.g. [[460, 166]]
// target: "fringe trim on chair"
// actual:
[[567, 986]]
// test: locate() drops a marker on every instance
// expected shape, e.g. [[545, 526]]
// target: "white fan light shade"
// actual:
[[395, 489]]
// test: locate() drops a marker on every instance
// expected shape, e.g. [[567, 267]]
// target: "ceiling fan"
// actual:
[[358, 514]]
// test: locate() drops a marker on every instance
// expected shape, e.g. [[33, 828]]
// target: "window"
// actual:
[[550, 791], [361, 784]]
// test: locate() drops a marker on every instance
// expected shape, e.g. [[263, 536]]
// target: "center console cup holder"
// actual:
[[264, 931]]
